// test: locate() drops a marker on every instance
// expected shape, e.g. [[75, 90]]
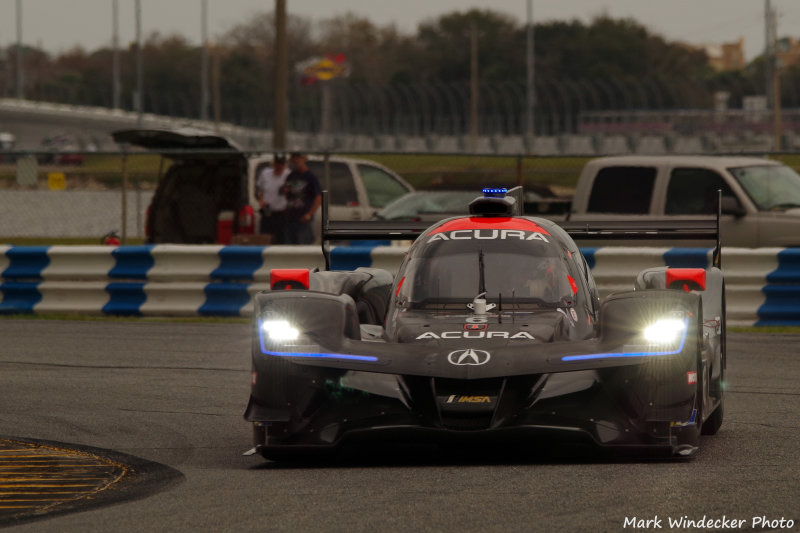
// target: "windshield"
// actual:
[[455, 278], [771, 187], [416, 203]]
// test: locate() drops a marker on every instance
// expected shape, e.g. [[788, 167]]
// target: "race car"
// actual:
[[491, 330]]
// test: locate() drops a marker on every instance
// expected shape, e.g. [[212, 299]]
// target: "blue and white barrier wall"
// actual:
[[763, 285]]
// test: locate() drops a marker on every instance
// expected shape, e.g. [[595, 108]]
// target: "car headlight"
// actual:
[[280, 330], [664, 331]]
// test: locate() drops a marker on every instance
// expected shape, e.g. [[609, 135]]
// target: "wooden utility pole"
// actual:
[[281, 104]]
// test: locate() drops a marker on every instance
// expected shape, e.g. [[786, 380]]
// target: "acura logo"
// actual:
[[469, 357]]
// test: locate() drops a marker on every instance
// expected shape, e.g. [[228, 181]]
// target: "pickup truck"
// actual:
[[760, 197]]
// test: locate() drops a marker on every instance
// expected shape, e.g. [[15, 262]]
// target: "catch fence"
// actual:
[[623, 104]]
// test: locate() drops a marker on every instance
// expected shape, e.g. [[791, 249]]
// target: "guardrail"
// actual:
[[763, 285]]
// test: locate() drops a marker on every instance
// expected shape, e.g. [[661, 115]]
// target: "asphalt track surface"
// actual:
[[173, 393]]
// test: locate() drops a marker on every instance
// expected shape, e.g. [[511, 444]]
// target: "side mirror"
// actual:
[[731, 206]]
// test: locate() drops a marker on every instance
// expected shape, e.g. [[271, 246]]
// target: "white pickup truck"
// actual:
[[760, 197]]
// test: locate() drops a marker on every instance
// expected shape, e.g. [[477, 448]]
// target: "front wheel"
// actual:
[[714, 422]]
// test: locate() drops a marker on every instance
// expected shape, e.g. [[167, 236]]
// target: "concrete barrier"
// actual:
[[763, 285]]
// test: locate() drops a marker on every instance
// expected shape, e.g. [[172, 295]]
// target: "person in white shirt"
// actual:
[[271, 200]]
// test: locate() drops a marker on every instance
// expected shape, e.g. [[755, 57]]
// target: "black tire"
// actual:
[[714, 422], [700, 400], [724, 329], [690, 436]]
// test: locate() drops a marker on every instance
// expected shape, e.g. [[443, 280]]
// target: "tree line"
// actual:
[[438, 51]]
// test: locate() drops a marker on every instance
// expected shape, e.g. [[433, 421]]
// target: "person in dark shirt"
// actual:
[[303, 196]]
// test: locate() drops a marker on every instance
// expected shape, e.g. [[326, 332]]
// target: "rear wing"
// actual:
[[663, 229]]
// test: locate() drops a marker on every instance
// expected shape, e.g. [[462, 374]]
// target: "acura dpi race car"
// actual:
[[491, 329]]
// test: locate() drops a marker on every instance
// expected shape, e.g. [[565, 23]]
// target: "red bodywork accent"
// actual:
[[288, 278], [475, 327], [572, 284], [400, 284], [490, 223], [686, 279]]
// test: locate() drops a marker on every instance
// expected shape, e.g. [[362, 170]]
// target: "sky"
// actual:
[[58, 25]]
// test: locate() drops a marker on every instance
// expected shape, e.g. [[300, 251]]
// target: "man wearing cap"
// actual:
[[272, 202], [304, 196]]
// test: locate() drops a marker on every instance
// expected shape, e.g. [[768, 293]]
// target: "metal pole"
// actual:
[[529, 93], [327, 104], [204, 62], [777, 124], [20, 74], [768, 53], [115, 86], [124, 207], [139, 227], [139, 81], [776, 85], [216, 86], [281, 107], [326, 166], [473, 84]]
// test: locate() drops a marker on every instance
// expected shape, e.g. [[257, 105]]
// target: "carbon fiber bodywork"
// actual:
[[316, 398], [363, 361]]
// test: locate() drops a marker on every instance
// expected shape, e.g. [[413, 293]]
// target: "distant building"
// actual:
[[788, 51], [725, 56]]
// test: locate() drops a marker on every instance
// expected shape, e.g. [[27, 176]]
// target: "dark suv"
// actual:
[[207, 193]]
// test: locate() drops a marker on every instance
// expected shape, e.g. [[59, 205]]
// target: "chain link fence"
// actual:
[[625, 104], [43, 201], [43, 198]]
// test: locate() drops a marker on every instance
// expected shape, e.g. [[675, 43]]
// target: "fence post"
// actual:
[[124, 225]]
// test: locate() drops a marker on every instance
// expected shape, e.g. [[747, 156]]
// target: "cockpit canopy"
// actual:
[[512, 259]]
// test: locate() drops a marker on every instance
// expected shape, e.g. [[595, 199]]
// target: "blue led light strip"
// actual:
[[568, 358], [367, 358], [320, 355], [494, 192]]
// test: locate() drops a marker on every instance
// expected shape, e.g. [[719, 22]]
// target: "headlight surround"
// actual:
[[664, 331], [664, 336]]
